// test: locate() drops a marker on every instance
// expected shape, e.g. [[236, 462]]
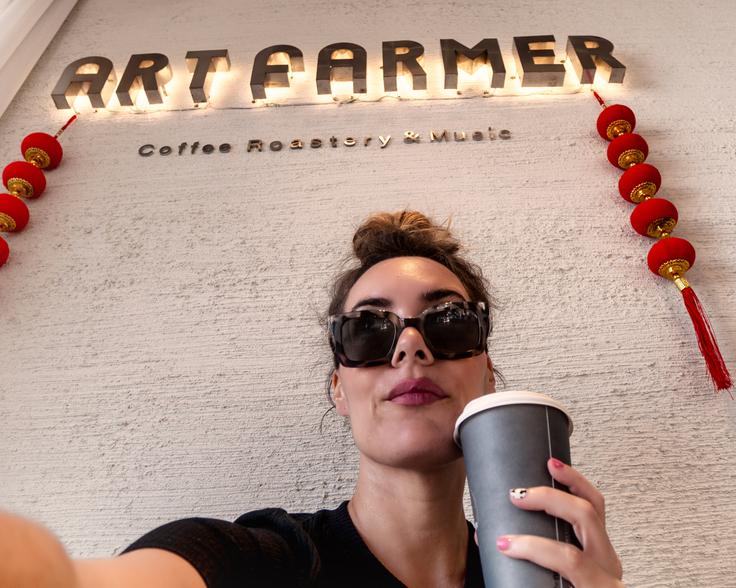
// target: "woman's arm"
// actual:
[[31, 556], [144, 568]]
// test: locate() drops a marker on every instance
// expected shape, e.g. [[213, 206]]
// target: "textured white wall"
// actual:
[[162, 356]]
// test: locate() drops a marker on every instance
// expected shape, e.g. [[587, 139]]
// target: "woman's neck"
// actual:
[[413, 522]]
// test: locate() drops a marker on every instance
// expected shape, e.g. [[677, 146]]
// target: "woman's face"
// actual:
[[414, 437]]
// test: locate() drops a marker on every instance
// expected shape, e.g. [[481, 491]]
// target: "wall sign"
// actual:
[[148, 73], [260, 145]]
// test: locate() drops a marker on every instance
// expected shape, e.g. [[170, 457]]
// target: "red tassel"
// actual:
[[707, 342]]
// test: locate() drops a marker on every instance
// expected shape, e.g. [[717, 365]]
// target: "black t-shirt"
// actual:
[[271, 548]]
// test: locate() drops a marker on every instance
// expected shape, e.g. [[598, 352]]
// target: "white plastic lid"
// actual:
[[504, 398]]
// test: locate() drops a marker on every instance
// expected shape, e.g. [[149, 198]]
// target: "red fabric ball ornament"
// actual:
[[24, 179], [615, 120], [42, 150], [653, 217], [4, 252], [627, 150], [638, 182], [670, 249], [14, 213]]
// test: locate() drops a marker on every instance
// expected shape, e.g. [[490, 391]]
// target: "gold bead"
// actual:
[[661, 228], [37, 157], [6, 222], [618, 127], [20, 188], [673, 270], [630, 157], [643, 191]]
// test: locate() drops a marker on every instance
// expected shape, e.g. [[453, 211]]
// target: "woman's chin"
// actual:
[[425, 461], [419, 450]]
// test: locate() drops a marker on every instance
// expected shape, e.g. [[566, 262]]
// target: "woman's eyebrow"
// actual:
[[428, 296]]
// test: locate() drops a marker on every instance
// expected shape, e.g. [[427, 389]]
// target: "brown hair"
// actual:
[[405, 233]]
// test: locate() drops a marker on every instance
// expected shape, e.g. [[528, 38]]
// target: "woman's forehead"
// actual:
[[405, 280]]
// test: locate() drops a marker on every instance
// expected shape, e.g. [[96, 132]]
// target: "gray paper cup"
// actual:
[[506, 439]]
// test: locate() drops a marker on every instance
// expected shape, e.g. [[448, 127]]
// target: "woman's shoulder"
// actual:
[[268, 546]]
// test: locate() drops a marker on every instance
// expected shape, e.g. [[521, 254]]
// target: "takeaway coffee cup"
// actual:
[[506, 439]]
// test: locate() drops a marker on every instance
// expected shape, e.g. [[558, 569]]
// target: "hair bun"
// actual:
[[384, 233]]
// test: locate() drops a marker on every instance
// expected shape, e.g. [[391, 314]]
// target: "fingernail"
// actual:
[[503, 543], [518, 492], [557, 463]]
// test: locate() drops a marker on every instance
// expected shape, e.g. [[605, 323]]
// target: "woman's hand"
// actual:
[[32, 557], [596, 565]]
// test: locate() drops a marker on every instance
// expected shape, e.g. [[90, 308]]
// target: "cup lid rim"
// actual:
[[505, 398]]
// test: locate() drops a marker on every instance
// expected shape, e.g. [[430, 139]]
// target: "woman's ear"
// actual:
[[491, 377], [338, 395]]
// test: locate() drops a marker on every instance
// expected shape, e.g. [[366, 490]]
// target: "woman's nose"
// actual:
[[411, 344]]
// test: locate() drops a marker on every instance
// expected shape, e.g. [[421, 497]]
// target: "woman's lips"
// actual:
[[416, 398], [416, 392]]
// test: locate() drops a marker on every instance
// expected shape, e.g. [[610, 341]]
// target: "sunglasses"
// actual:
[[452, 330]]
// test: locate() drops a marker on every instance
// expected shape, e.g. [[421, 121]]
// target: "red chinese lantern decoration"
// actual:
[[655, 217], [639, 182], [42, 150], [670, 257], [615, 120], [14, 214], [24, 179], [4, 251], [627, 150]]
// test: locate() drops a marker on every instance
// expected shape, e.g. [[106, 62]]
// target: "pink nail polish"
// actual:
[[503, 543], [557, 463]]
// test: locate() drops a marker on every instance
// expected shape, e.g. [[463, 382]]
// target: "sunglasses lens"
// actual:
[[453, 329], [367, 337]]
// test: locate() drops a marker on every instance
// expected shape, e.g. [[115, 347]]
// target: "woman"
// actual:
[[402, 387]]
